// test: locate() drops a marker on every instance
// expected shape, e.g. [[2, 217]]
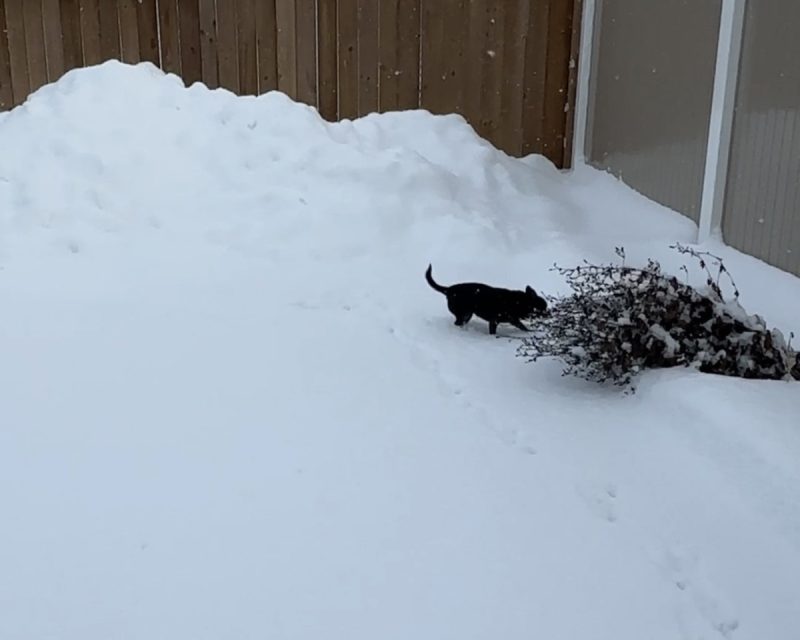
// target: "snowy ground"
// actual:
[[232, 408]]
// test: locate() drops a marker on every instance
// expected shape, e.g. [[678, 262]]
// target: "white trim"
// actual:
[[729, 47], [582, 89]]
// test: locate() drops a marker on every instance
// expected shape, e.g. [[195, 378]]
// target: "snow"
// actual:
[[232, 408]]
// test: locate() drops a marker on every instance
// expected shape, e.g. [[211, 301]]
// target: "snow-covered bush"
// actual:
[[620, 320]]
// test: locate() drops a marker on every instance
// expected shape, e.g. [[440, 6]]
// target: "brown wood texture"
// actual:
[[227, 49], [191, 57], [109, 30], [306, 52], [508, 67], [347, 48], [72, 39], [207, 11], [368, 56], [169, 32], [128, 31], [286, 43], [90, 32], [147, 19], [328, 82], [247, 47], [17, 53], [399, 54], [34, 43], [559, 44], [6, 91], [53, 39], [267, 44]]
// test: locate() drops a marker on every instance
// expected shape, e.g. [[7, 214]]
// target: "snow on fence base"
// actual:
[[620, 320]]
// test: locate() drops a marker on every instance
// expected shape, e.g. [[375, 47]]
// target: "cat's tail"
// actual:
[[432, 282]]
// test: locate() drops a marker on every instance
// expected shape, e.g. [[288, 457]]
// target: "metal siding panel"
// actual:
[[762, 200], [652, 81]]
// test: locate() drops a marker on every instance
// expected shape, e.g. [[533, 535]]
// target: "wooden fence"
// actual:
[[508, 66]]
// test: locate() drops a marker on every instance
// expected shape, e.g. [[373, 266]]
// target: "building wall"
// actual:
[[650, 95], [761, 215]]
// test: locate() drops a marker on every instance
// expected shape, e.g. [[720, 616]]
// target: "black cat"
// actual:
[[492, 304]]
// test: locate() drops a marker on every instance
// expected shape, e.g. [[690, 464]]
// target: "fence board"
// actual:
[[90, 32], [53, 39], [267, 46], [147, 19], [169, 35], [286, 42], [443, 51], [328, 81], [248, 51], [227, 50], [189, 22], [368, 56], [128, 31], [399, 54], [347, 47], [34, 43], [306, 47], [6, 92], [109, 31], [533, 90], [572, 82], [18, 56], [559, 41], [511, 88], [208, 42], [71, 34]]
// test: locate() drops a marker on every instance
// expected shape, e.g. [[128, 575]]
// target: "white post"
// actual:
[[582, 89], [729, 47]]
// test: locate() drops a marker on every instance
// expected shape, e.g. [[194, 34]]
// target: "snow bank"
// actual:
[[231, 407]]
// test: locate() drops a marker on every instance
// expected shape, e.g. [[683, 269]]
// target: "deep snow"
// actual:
[[232, 408]]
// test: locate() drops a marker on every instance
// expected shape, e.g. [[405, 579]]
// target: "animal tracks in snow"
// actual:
[[699, 608]]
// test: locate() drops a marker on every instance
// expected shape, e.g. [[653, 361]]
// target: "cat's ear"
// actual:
[[530, 291]]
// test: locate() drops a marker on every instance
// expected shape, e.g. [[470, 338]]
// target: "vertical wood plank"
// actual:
[[559, 40], [147, 20], [6, 90], [533, 94], [486, 34], [400, 40], [71, 34], [327, 59], [17, 53], [109, 30], [444, 63], [347, 46], [128, 31], [53, 39], [34, 43], [368, 56], [191, 57], [511, 79], [306, 47], [208, 42], [433, 77], [572, 82], [248, 51], [90, 32], [169, 34], [267, 45], [286, 40], [227, 50]]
